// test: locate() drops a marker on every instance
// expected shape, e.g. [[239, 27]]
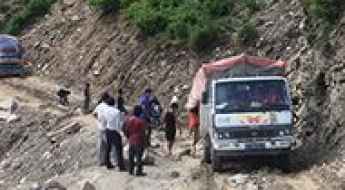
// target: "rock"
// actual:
[[12, 118], [75, 18], [251, 186], [88, 186], [78, 111], [96, 72], [47, 155], [148, 160], [238, 179], [176, 90], [174, 174], [5, 105], [36, 186], [22, 180], [53, 185], [174, 100], [164, 63], [45, 45], [185, 152], [16, 165], [5, 164], [37, 44], [69, 129], [69, 2], [185, 87]]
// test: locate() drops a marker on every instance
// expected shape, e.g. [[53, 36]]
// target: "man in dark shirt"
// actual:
[[135, 132], [86, 107], [170, 122]]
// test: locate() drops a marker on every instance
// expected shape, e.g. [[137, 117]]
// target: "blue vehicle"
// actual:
[[11, 57]]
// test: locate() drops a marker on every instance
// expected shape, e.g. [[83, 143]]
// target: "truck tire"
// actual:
[[216, 163], [207, 150], [283, 162]]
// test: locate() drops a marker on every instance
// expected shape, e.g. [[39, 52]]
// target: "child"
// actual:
[[170, 122], [193, 125]]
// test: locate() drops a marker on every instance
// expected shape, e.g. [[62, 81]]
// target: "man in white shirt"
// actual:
[[102, 139], [113, 130]]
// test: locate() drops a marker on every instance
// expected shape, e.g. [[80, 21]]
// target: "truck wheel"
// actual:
[[215, 161], [207, 151], [283, 162]]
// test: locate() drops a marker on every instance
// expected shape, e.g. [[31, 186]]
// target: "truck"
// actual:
[[245, 109], [12, 62]]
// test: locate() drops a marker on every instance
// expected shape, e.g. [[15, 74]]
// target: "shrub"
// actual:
[[252, 5], [37, 8], [105, 5], [248, 32], [150, 21], [202, 37], [15, 25], [33, 9], [328, 10], [198, 23]]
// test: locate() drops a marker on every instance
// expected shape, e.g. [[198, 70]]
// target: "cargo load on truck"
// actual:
[[237, 66], [245, 109], [11, 57]]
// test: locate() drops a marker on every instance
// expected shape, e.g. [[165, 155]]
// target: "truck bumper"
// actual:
[[275, 146], [231, 154]]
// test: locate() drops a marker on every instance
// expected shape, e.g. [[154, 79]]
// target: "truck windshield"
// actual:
[[251, 96]]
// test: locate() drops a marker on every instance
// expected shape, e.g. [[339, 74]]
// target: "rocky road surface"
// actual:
[[36, 158]]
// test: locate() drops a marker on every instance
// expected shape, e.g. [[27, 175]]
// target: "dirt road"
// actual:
[[178, 172]]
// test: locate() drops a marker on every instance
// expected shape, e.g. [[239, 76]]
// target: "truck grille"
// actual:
[[254, 133]]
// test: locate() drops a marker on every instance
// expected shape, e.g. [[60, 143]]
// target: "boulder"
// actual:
[[53, 185], [88, 186], [36, 186]]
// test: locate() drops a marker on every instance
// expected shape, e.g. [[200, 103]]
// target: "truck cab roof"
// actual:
[[242, 79]]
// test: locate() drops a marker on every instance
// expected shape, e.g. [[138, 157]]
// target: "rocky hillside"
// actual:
[[74, 43]]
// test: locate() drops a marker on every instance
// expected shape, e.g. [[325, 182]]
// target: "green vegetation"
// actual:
[[32, 10], [328, 10], [323, 16], [199, 23], [247, 32], [105, 5]]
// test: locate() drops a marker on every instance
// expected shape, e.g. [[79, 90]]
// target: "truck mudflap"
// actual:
[[268, 147]]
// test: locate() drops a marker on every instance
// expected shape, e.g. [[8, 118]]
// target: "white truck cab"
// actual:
[[246, 116]]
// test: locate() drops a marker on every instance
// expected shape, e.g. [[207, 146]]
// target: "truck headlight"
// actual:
[[219, 135], [227, 135], [284, 132], [281, 133]]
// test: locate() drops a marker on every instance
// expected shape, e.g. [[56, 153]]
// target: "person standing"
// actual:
[[135, 132], [86, 107], [113, 133], [102, 139], [170, 122], [145, 101], [193, 125], [63, 94], [121, 102]]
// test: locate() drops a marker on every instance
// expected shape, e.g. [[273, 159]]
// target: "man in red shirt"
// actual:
[[135, 132]]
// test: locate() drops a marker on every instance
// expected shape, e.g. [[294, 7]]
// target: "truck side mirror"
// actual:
[[204, 98]]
